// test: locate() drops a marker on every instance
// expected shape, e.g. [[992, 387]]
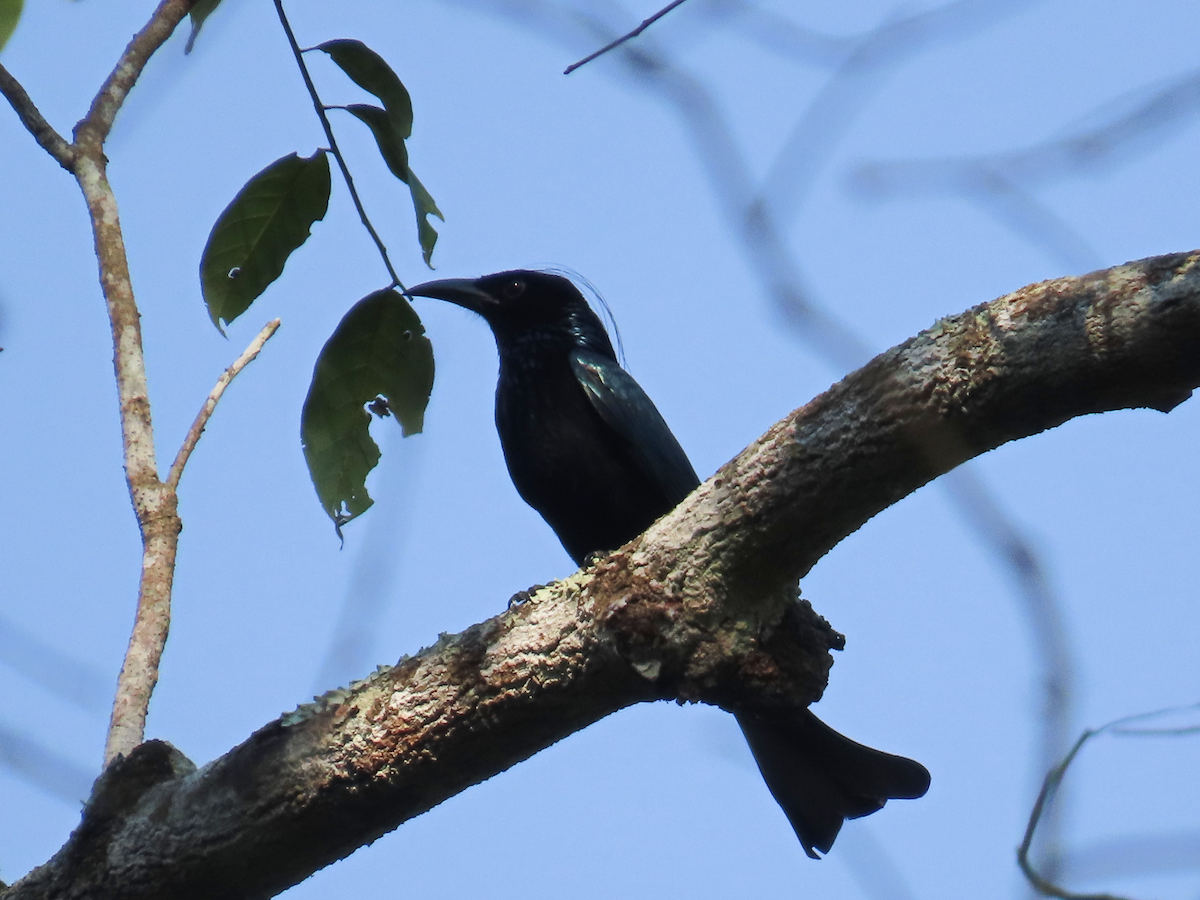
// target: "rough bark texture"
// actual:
[[1118, 338], [701, 607]]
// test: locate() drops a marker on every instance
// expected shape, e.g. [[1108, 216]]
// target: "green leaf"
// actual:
[[379, 358], [10, 14], [391, 126], [370, 71], [387, 138], [395, 153], [252, 239], [201, 11], [425, 207]]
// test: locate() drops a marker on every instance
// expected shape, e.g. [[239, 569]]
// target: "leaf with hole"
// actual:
[[378, 358], [252, 239], [425, 207], [370, 71]]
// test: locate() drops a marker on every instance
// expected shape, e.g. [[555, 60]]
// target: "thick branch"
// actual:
[[1118, 338], [313, 786], [698, 608]]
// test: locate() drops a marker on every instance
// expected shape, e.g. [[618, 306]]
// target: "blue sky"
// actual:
[[598, 173]]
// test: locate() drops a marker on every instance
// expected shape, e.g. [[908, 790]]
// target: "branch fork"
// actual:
[[154, 500]]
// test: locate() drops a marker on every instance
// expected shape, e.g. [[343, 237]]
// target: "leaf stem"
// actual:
[[320, 108]]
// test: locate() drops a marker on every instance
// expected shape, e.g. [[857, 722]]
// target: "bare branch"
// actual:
[[95, 126], [1128, 855], [214, 397], [779, 33], [43, 132], [646, 23], [698, 608], [1054, 780], [1055, 662], [874, 58], [154, 502]]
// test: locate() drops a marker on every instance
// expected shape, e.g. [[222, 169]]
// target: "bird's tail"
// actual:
[[821, 778]]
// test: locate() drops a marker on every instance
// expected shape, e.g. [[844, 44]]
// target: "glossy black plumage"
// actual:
[[589, 451]]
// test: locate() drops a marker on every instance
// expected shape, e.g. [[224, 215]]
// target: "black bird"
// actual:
[[589, 451]]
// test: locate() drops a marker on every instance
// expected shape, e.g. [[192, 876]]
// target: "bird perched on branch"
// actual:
[[589, 451]]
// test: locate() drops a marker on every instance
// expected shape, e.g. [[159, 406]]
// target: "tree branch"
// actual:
[[1118, 338], [43, 132], [214, 397], [698, 608], [154, 502], [628, 36], [111, 96]]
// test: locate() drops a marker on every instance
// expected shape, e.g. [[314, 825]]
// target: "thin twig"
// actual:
[[1049, 787], [43, 132], [626, 37], [210, 404], [1048, 161], [333, 145], [1054, 779]]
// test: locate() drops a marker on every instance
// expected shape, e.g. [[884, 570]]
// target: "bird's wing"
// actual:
[[625, 408]]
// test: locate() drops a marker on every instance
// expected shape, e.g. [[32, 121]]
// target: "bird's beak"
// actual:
[[462, 292]]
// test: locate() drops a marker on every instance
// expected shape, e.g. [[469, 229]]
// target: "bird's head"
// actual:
[[523, 305]]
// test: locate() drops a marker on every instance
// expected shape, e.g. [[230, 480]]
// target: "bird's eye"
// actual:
[[514, 288]]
